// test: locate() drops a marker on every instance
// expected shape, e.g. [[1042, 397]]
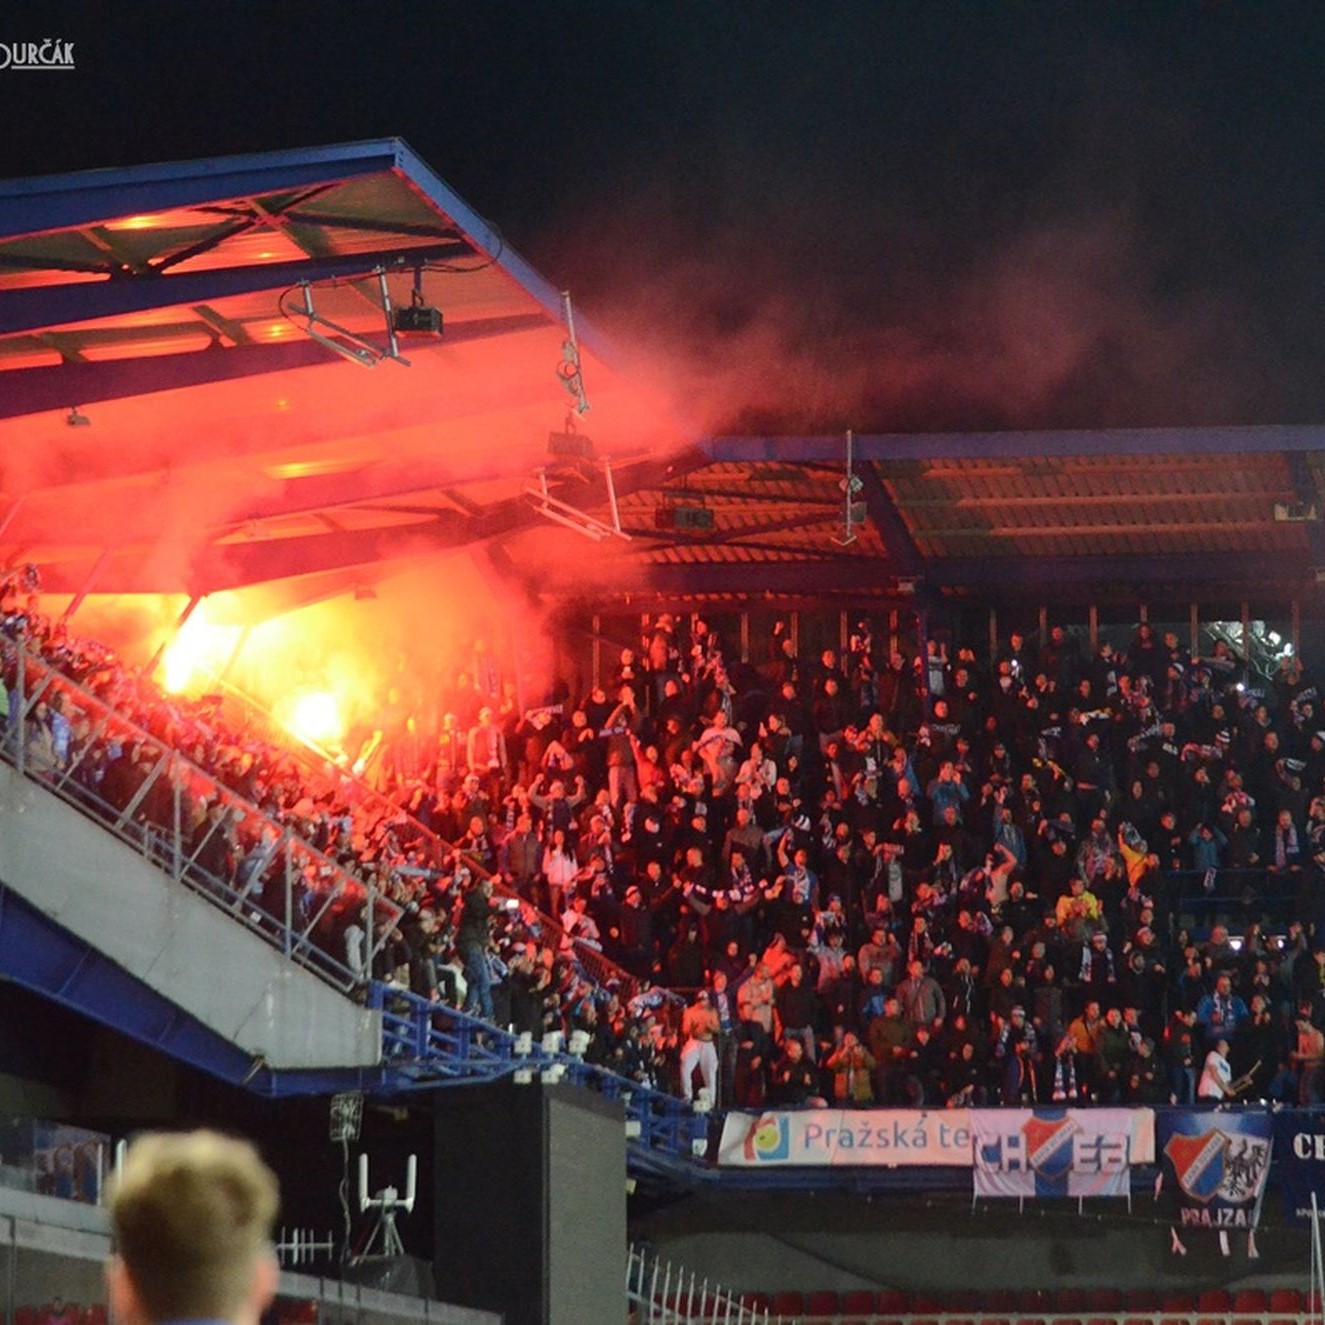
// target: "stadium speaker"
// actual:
[[530, 1203]]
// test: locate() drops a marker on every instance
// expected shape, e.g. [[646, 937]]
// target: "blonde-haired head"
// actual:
[[192, 1214]]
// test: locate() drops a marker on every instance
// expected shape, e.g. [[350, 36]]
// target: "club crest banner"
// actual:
[[1059, 1152], [1299, 1160], [1215, 1165], [890, 1138]]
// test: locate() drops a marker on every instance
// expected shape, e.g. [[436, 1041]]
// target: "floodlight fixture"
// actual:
[[416, 318], [553, 508], [341, 340]]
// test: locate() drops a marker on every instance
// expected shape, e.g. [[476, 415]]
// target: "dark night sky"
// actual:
[[885, 215]]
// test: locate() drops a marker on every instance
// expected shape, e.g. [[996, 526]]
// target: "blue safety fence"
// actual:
[[432, 1044]]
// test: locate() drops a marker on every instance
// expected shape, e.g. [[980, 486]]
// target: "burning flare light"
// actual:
[[201, 649], [314, 716]]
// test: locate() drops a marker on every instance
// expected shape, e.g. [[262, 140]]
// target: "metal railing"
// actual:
[[1235, 894], [245, 713], [660, 1293], [183, 819], [1150, 1316], [433, 1043]]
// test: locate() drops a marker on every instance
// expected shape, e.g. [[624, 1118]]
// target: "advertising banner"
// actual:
[[1059, 1151], [822, 1137], [1215, 1165], [1299, 1156]]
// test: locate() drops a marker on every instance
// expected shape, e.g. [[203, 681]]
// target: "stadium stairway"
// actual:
[[107, 917], [116, 923]]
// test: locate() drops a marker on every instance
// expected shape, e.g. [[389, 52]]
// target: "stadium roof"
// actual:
[[1186, 514], [226, 447]]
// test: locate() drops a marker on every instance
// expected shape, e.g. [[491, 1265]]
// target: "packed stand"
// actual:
[[876, 879], [918, 881], [439, 931]]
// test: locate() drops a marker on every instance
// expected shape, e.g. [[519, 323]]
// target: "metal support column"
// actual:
[[10, 514], [922, 630], [189, 608], [244, 633], [1246, 638], [86, 588]]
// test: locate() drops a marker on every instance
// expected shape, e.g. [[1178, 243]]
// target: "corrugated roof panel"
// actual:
[[249, 248], [383, 197]]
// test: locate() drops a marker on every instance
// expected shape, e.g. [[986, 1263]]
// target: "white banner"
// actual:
[[1059, 1152], [820, 1137]]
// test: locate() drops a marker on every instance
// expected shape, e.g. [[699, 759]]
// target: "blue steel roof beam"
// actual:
[[69, 202], [489, 242], [1027, 446], [33, 390], [66, 202], [232, 565], [35, 262], [1065, 575], [40, 307], [886, 518], [1307, 491], [256, 213]]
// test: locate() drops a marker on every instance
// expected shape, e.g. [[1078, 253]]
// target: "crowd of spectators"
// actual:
[[926, 880], [876, 879], [244, 805]]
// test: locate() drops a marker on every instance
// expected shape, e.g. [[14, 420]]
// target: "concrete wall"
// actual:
[[788, 1241], [99, 889]]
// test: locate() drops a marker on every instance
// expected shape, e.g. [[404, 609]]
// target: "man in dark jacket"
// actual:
[[473, 941]]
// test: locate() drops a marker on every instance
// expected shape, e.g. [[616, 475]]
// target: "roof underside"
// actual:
[[1189, 515], [226, 447]]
